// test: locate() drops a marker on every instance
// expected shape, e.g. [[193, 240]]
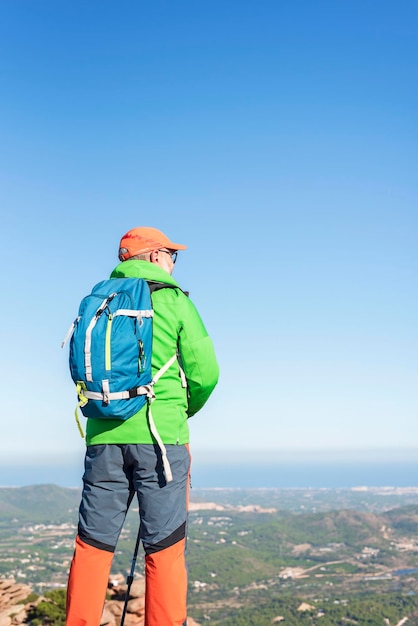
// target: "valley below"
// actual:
[[254, 555]]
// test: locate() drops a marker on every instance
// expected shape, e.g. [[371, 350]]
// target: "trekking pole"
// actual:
[[130, 579]]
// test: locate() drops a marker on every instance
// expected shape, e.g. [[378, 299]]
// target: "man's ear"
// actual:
[[154, 256]]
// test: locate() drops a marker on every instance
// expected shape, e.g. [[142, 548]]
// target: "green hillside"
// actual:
[[249, 563], [39, 503]]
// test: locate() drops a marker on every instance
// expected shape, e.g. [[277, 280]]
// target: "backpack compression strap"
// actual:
[[144, 390]]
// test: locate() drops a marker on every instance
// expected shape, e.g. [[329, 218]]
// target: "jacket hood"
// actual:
[[143, 269]]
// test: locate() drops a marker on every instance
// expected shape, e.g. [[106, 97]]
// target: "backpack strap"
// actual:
[[155, 285]]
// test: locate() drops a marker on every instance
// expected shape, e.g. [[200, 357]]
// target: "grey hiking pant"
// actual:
[[113, 475]]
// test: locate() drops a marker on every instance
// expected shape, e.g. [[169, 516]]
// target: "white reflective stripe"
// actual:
[[106, 391], [87, 349], [134, 312], [163, 369], [166, 465], [87, 343], [70, 332], [155, 434], [183, 378], [144, 390], [99, 395]]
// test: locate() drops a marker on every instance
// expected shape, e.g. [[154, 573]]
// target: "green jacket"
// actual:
[[176, 326]]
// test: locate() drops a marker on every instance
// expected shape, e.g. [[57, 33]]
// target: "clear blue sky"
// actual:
[[279, 142]]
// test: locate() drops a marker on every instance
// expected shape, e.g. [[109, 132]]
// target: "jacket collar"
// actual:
[[142, 269]]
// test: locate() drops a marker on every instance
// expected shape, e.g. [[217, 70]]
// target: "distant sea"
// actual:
[[285, 474]]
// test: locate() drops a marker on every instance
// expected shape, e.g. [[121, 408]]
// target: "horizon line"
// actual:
[[238, 455]]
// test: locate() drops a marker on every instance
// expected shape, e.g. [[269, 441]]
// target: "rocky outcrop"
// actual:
[[135, 609], [14, 609], [12, 606]]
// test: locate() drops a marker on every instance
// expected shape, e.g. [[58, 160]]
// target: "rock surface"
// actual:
[[14, 609], [12, 606], [135, 611]]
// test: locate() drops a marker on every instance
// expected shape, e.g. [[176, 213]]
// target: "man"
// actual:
[[123, 457]]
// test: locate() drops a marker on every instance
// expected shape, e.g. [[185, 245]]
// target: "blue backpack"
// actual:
[[111, 348]]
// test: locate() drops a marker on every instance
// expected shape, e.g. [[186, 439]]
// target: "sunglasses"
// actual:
[[172, 253]]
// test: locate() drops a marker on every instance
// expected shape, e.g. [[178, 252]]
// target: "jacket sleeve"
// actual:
[[198, 358]]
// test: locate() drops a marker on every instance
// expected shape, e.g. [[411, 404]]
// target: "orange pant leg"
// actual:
[[87, 584], [166, 586]]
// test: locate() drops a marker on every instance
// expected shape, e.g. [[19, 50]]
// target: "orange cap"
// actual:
[[144, 239]]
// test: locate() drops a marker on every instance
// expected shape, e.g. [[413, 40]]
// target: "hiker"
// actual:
[[124, 457]]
